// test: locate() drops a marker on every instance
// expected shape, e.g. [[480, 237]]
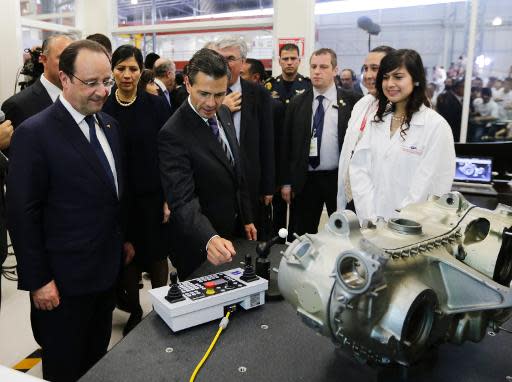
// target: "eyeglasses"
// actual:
[[95, 84]]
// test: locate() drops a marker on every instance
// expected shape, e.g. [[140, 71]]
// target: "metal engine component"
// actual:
[[387, 293]]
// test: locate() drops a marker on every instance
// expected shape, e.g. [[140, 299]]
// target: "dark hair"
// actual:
[[256, 66], [178, 79], [209, 62], [352, 74], [382, 49], [101, 39], [289, 47], [411, 60], [147, 76], [68, 55], [150, 60], [486, 92], [124, 52], [332, 53]]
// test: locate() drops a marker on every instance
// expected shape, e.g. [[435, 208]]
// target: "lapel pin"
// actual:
[[108, 125], [341, 102]]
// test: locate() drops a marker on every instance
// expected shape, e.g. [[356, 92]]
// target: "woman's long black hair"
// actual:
[[411, 61]]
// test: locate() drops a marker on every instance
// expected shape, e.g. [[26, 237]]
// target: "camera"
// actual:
[[32, 68]]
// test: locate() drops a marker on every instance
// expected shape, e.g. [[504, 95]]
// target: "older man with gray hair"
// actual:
[[251, 107], [165, 72]]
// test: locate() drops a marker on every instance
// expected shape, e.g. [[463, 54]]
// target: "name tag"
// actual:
[[313, 147], [412, 149]]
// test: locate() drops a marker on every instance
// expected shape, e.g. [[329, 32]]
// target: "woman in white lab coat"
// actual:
[[407, 152]]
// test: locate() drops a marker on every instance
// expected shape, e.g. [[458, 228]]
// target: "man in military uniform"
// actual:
[[282, 89], [289, 83]]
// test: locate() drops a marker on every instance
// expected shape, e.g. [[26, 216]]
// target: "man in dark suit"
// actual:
[[45, 90], [251, 108], [63, 213], [449, 105], [5, 140], [314, 130], [201, 171], [165, 72]]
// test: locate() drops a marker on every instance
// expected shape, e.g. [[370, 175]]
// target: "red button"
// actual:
[[210, 284]]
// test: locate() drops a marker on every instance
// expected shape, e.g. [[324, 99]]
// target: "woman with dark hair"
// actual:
[[140, 116], [147, 82], [407, 152]]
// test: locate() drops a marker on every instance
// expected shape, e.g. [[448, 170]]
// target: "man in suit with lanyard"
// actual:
[[314, 129], [45, 90], [64, 215], [201, 171]]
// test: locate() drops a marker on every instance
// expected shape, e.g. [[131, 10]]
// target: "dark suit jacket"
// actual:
[[26, 103], [206, 195], [63, 213], [451, 109], [257, 140], [297, 134]]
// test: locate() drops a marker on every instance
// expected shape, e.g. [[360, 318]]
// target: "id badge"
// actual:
[[313, 147]]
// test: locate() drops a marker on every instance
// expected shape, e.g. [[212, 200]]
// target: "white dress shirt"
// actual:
[[329, 149], [52, 90], [84, 127]]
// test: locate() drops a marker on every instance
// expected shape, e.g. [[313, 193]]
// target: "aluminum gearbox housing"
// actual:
[[387, 293]]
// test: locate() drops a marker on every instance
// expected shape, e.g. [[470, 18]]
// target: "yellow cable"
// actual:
[[207, 354]]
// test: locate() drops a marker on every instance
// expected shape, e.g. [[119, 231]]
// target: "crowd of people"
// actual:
[[490, 105], [118, 163]]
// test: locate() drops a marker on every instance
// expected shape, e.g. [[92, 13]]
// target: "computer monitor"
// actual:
[[473, 170], [499, 152]]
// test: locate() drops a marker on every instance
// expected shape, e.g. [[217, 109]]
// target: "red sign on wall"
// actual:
[[299, 41]]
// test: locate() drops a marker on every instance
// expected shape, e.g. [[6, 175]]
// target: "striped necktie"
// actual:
[[212, 122]]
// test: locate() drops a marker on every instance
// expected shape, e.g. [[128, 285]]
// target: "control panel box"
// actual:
[[204, 298]]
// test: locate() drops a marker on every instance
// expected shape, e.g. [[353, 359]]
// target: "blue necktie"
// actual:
[[318, 127], [95, 143], [212, 122]]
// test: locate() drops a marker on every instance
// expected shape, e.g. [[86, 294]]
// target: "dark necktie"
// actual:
[[212, 122], [318, 127], [95, 143]]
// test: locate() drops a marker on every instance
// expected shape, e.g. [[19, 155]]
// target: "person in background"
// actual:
[[487, 111], [407, 152], [165, 72], [357, 124], [149, 62], [102, 40], [283, 88], [348, 81], [64, 187], [314, 127], [147, 82], [141, 116], [253, 71], [449, 106], [45, 90]]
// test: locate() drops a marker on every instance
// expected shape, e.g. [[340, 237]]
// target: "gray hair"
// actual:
[[228, 42], [48, 42], [163, 67]]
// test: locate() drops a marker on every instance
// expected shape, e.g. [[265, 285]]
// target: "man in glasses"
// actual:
[[45, 90], [63, 209], [251, 108]]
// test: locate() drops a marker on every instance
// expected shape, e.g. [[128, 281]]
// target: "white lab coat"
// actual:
[[367, 104], [388, 173]]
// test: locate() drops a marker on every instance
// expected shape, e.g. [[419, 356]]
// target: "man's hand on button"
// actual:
[[233, 101], [220, 251], [47, 297]]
